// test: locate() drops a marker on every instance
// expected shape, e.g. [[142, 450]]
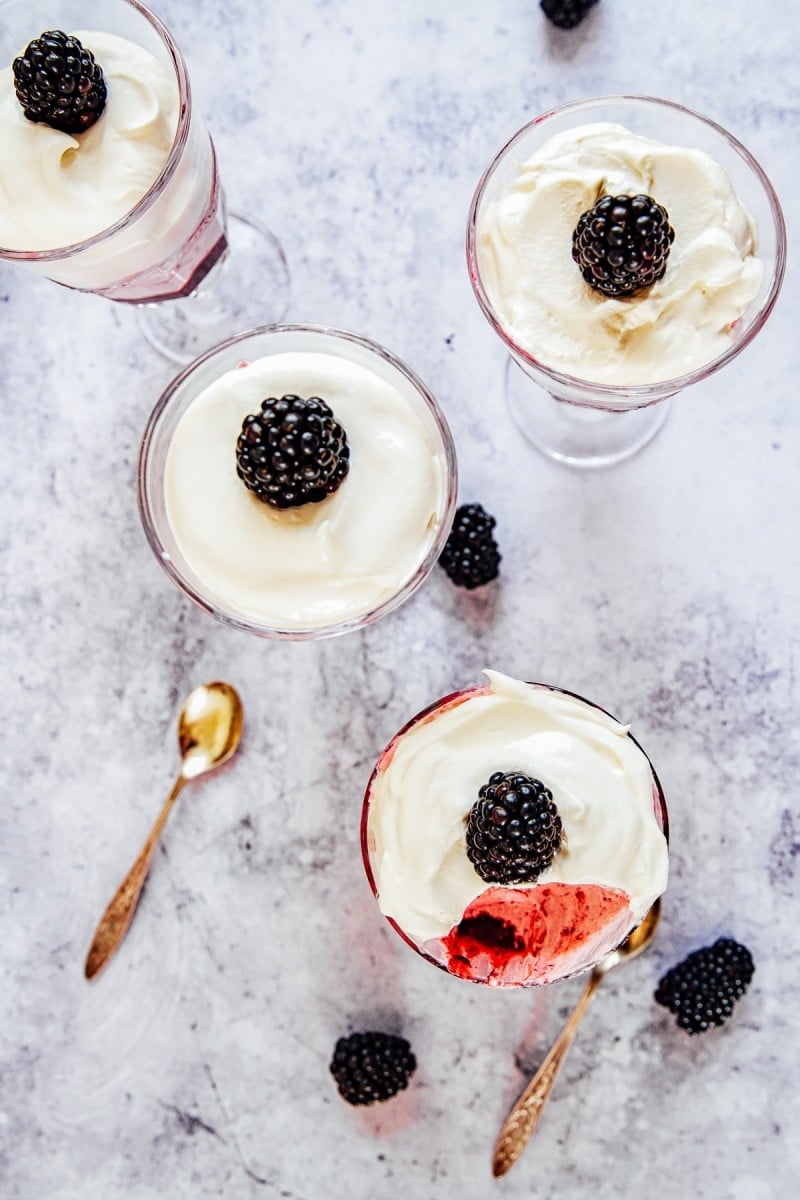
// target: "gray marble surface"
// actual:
[[666, 589]]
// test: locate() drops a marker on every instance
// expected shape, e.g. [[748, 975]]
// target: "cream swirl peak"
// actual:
[[681, 322], [318, 564], [57, 188], [428, 779]]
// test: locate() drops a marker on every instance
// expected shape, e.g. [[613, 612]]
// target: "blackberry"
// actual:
[[622, 244], [492, 932], [293, 452], [566, 14], [372, 1066], [703, 988], [470, 556], [58, 83], [513, 830]]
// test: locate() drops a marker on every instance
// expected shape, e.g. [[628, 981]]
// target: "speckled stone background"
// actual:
[[666, 589]]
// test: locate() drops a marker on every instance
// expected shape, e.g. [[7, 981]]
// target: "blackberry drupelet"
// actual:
[[470, 556], [58, 83], [622, 243], [372, 1066], [566, 14], [702, 989], [513, 830], [293, 452]]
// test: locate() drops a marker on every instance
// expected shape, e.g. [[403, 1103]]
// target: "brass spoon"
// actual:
[[209, 730], [521, 1122]]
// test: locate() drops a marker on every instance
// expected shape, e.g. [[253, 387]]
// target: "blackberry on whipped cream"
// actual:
[[622, 244], [292, 452], [58, 82], [513, 830]]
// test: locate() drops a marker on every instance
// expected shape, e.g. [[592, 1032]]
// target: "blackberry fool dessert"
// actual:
[[618, 259], [702, 989], [514, 834], [372, 1066], [309, 489], [108, 180], [87, 122]]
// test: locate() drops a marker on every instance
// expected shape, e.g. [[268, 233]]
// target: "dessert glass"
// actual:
[[576, 421], [249, 346], [492, 969], [195, 272]]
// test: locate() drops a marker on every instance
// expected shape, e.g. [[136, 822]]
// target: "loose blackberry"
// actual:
[[622, 244], [58, 83], [293, 452], [513, 830], [703, 988], [566, 14], [470, 556], [372, 1066]]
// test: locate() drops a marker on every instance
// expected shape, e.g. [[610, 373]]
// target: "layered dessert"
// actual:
[[592, 204], [514, 834], [93, 123], [304, 490]]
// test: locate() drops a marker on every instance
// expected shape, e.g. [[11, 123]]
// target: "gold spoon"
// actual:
[[521, 1122], [209, 730]]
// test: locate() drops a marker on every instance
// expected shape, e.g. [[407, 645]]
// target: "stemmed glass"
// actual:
[[574, 420], [196, 272], [485, 947]]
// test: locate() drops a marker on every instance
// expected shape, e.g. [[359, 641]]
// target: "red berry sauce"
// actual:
[[536, 935]]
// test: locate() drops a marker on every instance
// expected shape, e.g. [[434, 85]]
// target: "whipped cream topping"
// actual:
[[318, 564], [602, 785], [58, 188], [684, 320]]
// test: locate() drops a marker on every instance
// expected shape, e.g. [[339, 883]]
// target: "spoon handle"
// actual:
[[115, 921], [520, 1124]]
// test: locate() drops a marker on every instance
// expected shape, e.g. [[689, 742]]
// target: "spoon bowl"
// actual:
[[209, 728], [637, 940]]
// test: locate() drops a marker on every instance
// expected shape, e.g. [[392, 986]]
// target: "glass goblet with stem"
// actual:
[[196, 272], [570, 417]]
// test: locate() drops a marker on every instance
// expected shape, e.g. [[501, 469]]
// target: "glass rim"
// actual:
[[298, 633], [59, 253], [638, 395], [422, 715]]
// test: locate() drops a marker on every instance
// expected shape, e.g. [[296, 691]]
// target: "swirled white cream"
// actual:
[[601, 781], [684, 320], [318, 564], [57, 189]]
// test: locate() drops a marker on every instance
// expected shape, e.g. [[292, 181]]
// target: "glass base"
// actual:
[[249, 286], [572, 434]]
